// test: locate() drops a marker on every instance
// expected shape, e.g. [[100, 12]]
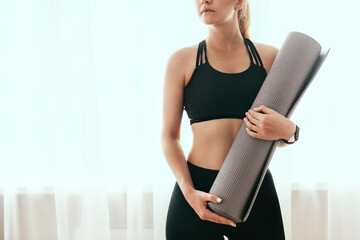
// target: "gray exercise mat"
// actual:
[[240, 177]]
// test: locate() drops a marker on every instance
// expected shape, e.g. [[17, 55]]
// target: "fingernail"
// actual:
[[218, 199], [233, 224]]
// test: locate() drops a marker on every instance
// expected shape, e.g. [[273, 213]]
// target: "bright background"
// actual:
[[81, 112]]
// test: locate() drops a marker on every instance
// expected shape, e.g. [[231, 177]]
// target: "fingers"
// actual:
[[253, 130], [212, 198], [251, 126], [253, 116], [263, 108], [209, 215]]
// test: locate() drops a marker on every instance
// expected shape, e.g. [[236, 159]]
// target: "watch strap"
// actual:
[[296, 136]]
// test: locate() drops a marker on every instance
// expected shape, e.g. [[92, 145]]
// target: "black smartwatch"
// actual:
[[293, 138]]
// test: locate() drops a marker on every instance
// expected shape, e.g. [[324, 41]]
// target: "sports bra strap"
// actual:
[[205, 50], [255, 53], [199, 57], [247, 48], [199, 53]]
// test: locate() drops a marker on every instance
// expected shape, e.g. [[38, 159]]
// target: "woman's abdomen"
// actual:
[[212, 141]]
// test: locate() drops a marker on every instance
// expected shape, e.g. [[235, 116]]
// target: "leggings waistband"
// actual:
[[201, 168]]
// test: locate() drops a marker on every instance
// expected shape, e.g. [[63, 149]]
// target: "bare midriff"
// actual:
[[212, 140]]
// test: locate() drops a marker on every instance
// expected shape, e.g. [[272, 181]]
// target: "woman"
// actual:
[[216, 85]]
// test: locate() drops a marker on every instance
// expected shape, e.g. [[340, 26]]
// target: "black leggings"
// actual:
[[264, 221]]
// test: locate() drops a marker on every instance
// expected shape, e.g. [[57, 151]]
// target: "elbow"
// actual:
[[167, 139], [169, 135]]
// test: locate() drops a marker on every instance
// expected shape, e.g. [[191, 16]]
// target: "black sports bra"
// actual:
[[211, 94]]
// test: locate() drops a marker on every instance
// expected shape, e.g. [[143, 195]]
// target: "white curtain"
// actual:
[[81, 101]]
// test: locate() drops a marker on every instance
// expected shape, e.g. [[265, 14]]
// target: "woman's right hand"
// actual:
[[198, 201]]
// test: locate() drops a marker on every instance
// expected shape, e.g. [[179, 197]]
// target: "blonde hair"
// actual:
[[244, 19]]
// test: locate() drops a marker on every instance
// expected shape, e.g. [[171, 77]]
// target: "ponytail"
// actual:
[[244, 19]]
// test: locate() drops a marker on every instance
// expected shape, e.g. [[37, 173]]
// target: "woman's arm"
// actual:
[[268, 54], [291, 130], [172, 115]]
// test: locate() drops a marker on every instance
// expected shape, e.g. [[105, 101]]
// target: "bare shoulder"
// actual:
[[183, 61], [267, 54], [182, 54]]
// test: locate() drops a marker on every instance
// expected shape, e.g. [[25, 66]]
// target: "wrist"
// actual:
[[187, 189], [291, 131], [294, 137], [188, 192]]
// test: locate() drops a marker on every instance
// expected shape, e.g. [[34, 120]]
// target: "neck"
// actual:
[[225, 37]]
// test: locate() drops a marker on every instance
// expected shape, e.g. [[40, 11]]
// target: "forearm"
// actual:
[[177, 161]]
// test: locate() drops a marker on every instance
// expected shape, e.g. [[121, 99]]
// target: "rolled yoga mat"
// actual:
[[240, 177]]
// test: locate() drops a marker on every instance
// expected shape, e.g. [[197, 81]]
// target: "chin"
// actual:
[[208, 21]]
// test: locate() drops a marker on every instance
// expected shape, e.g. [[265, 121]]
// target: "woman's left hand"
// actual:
[[265, 123]]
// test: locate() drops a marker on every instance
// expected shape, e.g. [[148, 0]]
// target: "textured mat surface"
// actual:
[[240, 177]]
